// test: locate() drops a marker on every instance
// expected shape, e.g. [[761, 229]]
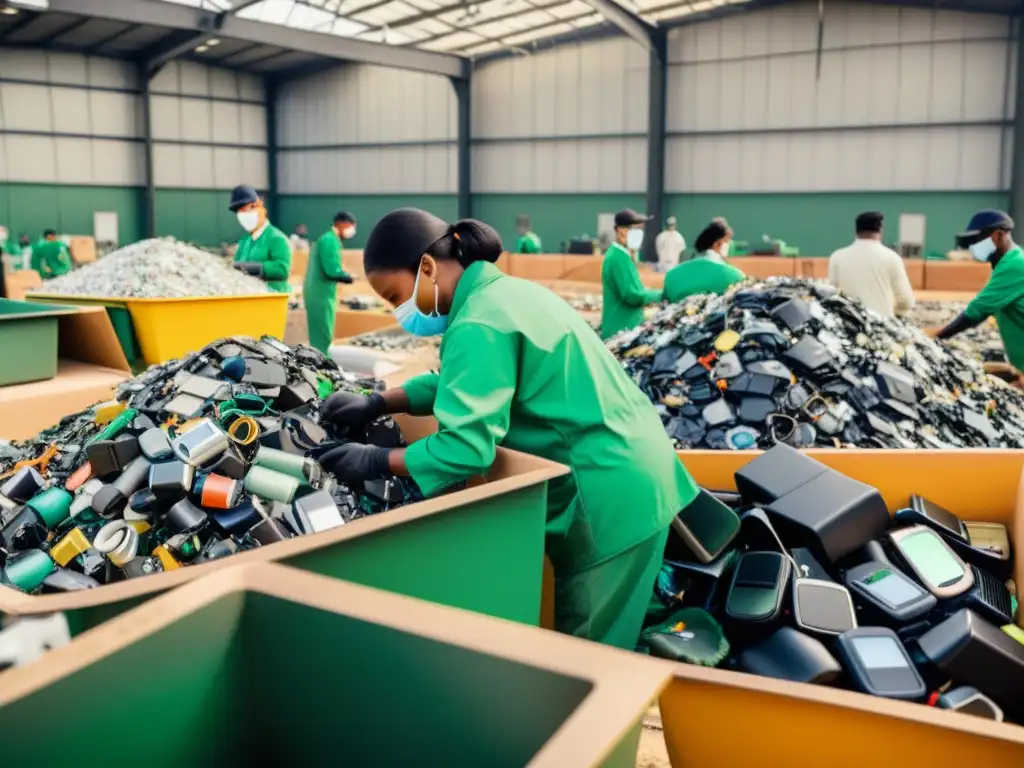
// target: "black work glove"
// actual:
[[346, 279], [346, 409], [356, 463], [253, 268]]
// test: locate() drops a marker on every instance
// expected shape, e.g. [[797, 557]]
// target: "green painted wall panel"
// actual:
[[317, 211], [556, 218], [820, 222], [31, 208], [197, 216]]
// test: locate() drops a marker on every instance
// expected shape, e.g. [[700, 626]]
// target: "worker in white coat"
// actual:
[[869, 271], [669, 245]]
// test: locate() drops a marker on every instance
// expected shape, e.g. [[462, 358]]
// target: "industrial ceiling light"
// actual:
[[213, 42], [8, 11], [202, 49]]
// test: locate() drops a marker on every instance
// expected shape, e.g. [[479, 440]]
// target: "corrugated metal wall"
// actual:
[[367, 130], [71, 143], [568, 120], [897, 99]]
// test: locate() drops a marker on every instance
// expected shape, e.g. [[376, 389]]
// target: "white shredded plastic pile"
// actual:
[[157, 268]]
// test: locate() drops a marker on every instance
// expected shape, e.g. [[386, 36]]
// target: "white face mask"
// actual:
[[983, 249], [634, 239], [3, 235], [723, 250], [249, 220], [348, 233]]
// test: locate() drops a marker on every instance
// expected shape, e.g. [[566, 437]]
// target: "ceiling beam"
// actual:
[[637, 28], [241, 6], [173, 16], [99, 44], [485, 21], [19, 25]]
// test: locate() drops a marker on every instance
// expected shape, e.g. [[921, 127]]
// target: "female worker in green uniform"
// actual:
[[265, 252], [50, 257], [324, 272], [624, 295], [989, 239], [527, 240], [708, 272], [521, 369]]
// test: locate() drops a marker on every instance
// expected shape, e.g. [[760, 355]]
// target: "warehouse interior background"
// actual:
[[788, 118]]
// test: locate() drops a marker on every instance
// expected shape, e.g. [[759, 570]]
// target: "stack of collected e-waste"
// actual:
[[982, 341], [157, 268], [195, 459], [803, 576], [792, 361]]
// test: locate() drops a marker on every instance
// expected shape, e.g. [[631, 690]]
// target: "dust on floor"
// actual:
[[652, 752]]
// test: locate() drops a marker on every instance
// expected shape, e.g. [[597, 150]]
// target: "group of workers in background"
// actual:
[[48, 256]]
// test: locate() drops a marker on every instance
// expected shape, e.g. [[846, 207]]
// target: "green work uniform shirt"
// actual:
[[521, 369], [624, 295], [1003, 297], [320, 289], [51, 258], [528, 243], [273, 251], [10, 247], [700, 275]]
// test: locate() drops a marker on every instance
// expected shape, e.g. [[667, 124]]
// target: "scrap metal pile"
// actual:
[[981, 341], [157, 268], [394, 340], [195, 460], [791, 361]]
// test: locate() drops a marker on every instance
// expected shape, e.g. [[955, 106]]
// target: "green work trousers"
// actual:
[[608, 602]]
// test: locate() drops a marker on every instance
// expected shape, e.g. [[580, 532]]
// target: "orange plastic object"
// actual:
[[78, 478]]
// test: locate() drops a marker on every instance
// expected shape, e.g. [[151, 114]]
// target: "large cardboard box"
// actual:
[[83, 249], [266, 665], [787, 724], [955, 275], [90, 366], [300, 260], [18, 282]]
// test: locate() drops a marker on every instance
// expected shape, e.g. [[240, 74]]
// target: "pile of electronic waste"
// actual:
[[981, 341], [803, 576], [194, 460], [157, 268], [792, 361]]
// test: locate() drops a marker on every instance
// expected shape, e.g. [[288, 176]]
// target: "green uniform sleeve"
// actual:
[[626, 283], [278, 265], [997, 293], [734, 274], [421, 391], [474, 400], [328, 250]]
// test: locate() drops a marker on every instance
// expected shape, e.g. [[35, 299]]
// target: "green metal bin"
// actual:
[[28, 341], [480, 548], [267, 665]]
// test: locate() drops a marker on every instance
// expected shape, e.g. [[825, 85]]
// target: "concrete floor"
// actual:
[[652, 752]]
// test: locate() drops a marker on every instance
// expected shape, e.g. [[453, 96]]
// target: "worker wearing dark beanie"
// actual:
[[708, 272], [522, 370]]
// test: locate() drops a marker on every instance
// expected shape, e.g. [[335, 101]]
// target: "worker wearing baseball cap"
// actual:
[[989, 238], [265, 251], [624, 295]]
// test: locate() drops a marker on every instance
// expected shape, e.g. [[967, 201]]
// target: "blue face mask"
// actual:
[[417, 323]]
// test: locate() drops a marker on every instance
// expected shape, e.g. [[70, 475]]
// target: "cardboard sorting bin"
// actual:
[[28, 341], [90, 365], [480, 548], [787, 724], [170, 328], [267, 665]]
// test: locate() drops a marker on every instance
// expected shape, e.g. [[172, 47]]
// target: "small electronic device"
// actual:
[[706, 526], [931, 561], [791, 655], [970, 701], [888, 596], [973, 652], [822, 607], [758, 587], [989, 598], [877, 663], [986, 545], [924, 512]]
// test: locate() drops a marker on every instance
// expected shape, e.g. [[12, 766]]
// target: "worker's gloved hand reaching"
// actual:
[[347, 409], [355, 463], [253, 268], [346, 279]]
